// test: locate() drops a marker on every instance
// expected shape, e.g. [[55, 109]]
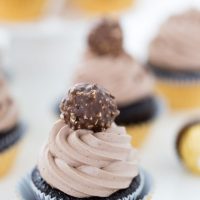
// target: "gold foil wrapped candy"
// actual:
[[188, 146]]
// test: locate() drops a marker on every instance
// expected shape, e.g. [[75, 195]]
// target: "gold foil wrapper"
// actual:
[[189, 148]]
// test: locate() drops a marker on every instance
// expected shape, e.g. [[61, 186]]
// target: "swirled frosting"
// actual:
[[82, 163], [8, 109], [177, 45], [121, 75]]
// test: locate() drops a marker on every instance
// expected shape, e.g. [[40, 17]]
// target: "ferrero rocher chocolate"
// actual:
[[89, 106], [106, 38], [188, 146]]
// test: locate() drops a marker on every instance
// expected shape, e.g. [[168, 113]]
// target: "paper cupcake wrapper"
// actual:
[[20, 10], [180, 95], [101, 6], [28, 191]]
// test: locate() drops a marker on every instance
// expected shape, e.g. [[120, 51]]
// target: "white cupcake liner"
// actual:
[[28, 191]]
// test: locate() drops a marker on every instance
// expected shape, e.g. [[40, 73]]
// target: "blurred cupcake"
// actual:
[[102, 6], [87, 156], [106, 63], [174, 58], [20, 10], [11, 130]]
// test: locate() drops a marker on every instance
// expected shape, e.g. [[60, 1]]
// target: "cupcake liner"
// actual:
[[139, 133], [7, 159], [27, 190], [17, 10], [180, 88], [102, 6], [180, 94], [9, 147]]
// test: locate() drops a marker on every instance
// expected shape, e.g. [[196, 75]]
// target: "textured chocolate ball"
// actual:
[[89, 106], [106, 38]]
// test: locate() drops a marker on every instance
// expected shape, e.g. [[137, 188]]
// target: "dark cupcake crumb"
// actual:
[[88, 106], [106, 38], [45, 188], [138, 112]]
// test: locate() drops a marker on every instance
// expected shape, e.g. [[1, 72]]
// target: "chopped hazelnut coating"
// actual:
[[89, 106]]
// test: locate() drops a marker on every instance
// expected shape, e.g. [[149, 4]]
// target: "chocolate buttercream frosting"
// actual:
[[177, 45]]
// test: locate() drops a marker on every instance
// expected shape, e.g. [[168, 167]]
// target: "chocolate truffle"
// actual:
[[106, 38], [89, 106], [188, 146]]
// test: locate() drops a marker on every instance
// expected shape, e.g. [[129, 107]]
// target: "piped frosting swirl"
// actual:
[[82, 163], [177, 45], [8, 108]]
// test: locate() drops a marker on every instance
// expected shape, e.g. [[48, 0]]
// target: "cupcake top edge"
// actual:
[[177, 44], [87, 162]]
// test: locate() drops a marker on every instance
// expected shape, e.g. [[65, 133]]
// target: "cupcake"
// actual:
[[11, 130], [102, 6], [87, 156], [188, 148], [173, 56], [107, 63], [21, 10]]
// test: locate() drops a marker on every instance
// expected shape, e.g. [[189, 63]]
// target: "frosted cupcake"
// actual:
[[20, 10], [106, 63], [174, 57], [11, 131], [87, 156], [102, 6]]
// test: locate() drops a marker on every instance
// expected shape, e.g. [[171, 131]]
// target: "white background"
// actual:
[[42, 58]]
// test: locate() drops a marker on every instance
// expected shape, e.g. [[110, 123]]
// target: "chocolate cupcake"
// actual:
[[108, 64], [11, 130], [87, 156], [173, 56]]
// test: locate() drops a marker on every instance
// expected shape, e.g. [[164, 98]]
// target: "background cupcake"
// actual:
[[106, 63], [87, 155], [174, 57], [20, 10], [11, 130]]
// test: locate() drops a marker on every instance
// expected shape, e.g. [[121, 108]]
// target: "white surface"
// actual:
[[43, 58]]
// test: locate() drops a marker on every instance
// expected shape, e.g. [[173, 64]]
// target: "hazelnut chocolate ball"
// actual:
[[106, 38], [89, 106], [188, 146]]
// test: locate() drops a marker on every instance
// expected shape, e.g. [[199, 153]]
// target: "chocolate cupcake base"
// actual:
[[132, 193], [11, 137], [175, 74], [138, 112]]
